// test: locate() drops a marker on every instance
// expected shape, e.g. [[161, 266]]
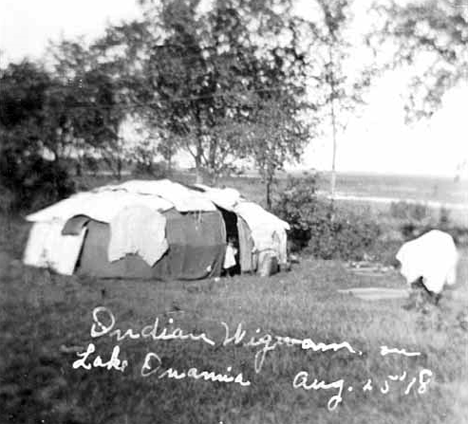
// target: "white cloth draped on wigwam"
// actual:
[[268, 231], [138, 230], [48, 248], [431, 257]]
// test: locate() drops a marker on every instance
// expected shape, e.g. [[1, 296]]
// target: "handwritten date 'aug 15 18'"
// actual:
[[104, 324]]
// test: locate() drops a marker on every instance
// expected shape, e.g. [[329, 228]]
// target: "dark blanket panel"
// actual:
[[197, 244]]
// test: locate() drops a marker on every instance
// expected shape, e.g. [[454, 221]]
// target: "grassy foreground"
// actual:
[[46, 319]]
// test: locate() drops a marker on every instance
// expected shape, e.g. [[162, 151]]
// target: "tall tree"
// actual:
[[277, 138], [432, 34], [33, 131], [340, 89], [203, 72], [95, 99], [430, 39]]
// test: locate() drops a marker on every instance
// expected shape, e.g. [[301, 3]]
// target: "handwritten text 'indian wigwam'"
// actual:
[[104, 324]]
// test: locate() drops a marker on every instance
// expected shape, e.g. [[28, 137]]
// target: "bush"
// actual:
[[417, 219], [32, 182], [342, 235], [409, 211], [298, 205], [317, 225], [150, 170], [411, 228]]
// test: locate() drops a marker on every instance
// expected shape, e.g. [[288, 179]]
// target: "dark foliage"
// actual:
[[325, 231], [27, 132], [33, 182], [409, 211]]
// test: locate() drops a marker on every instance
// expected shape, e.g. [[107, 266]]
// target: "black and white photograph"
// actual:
[[234, 211]]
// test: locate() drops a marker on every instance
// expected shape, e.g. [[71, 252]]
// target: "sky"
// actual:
[[376, 141]]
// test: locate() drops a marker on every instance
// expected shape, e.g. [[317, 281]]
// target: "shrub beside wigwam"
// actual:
[[322, 229]]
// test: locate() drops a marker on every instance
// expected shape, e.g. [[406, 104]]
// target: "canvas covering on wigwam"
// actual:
[[196, 221], [177, 231], [196, 250]]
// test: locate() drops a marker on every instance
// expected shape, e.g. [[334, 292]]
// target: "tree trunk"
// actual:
[[199, 175], [78, 168], [198, 169], [119, 169], [198, 159], [268, 185], [213, 178], [333, 121], [212, 161], [169, 163], [268, 195], [333, 173]]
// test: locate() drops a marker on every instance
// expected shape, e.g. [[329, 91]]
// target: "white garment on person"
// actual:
[[433, 256], [138, 230], [48, 248], [230, 257]]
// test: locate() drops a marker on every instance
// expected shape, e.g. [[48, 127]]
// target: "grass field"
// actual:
[[45, 319]]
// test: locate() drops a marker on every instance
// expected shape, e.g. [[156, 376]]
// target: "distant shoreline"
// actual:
[[389, 200]]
